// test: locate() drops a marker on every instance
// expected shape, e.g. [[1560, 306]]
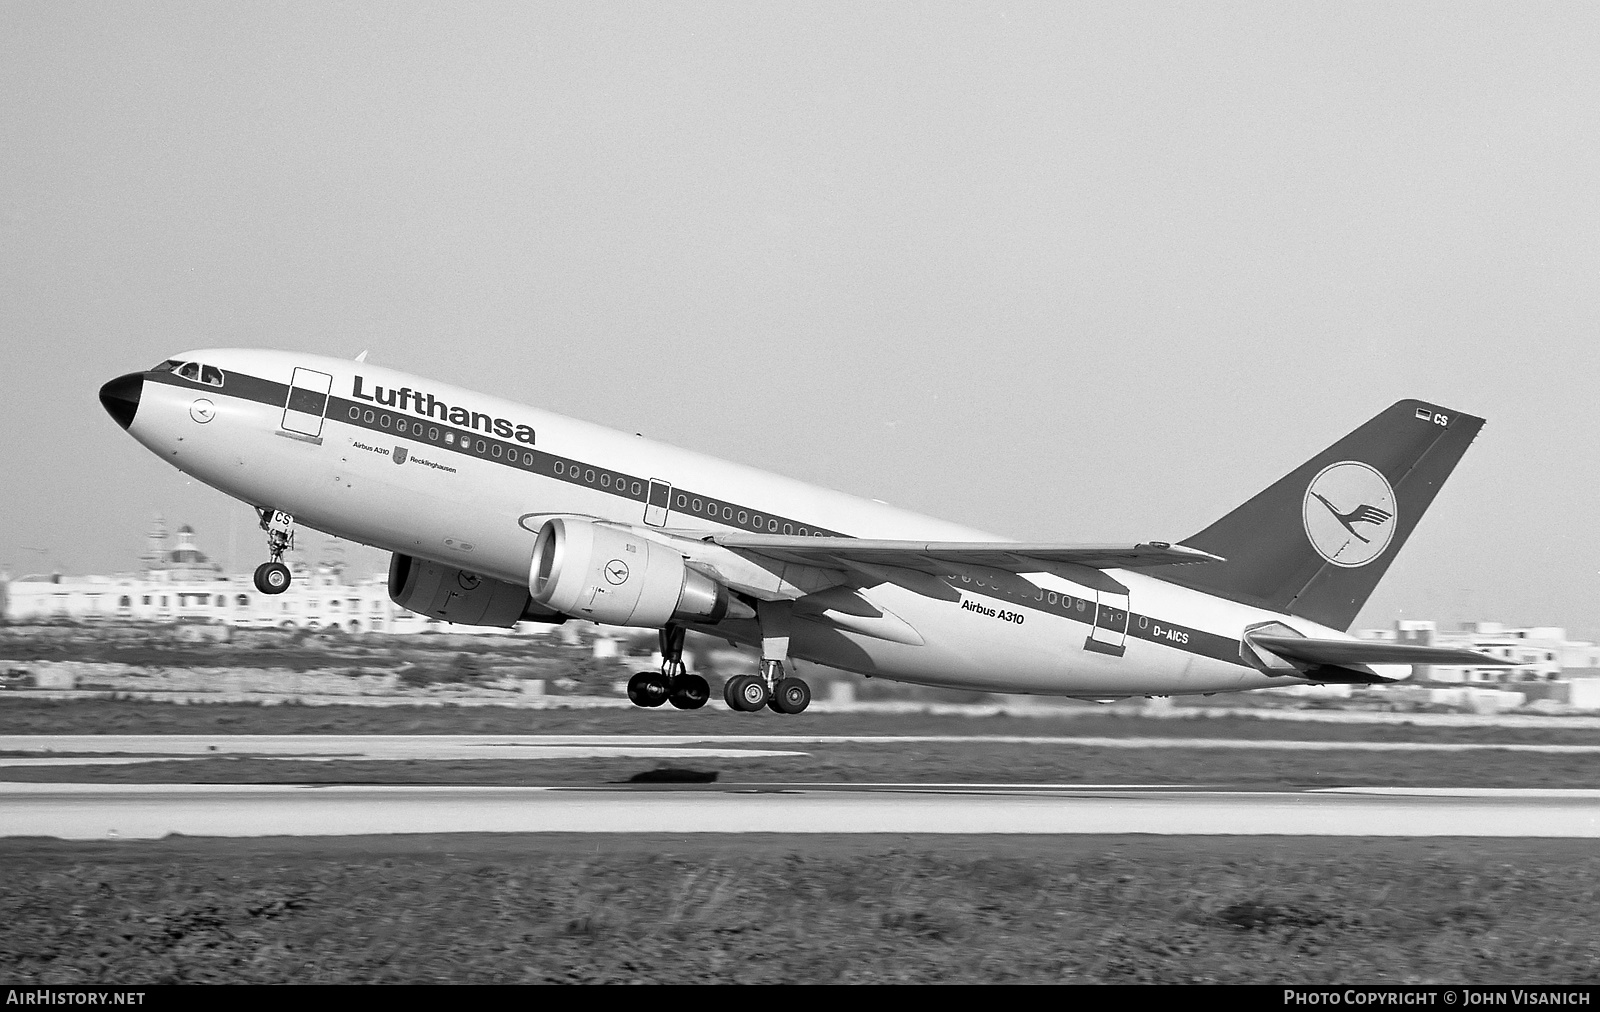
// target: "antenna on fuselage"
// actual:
[[363, 356]]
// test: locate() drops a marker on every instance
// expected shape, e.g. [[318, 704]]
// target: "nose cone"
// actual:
[[121, 397]]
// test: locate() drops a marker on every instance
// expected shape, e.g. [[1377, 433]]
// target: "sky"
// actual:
[[1062, 272]]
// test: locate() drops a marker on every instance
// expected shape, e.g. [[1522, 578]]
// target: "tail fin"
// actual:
[[1317, 542]]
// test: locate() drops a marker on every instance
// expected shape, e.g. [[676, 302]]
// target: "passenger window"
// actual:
[[190, 370], [211, 375]]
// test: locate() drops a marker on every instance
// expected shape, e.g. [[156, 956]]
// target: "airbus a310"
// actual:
[[498, 513]]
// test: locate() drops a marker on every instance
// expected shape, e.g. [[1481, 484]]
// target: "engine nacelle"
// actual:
[[611, 576], [455, 595]]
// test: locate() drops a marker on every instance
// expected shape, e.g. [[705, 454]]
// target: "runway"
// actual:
[[60, 749], [152, 811], [85, 810], [70, 749]]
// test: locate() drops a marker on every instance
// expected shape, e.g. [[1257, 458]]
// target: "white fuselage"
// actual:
[[465, 479]]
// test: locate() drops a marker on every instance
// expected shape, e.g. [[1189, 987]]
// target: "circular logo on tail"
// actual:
[[1349, 513]]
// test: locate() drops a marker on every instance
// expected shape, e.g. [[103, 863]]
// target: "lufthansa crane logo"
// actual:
[[617, 572], [1349, 513]]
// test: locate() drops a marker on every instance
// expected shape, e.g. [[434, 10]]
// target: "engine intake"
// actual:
[[456, 595], [612, 576]]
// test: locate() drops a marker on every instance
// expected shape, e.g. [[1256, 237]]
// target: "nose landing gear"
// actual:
[[673, 683], [274, 577]]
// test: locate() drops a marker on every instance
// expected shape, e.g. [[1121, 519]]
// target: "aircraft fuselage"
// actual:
[[413, 466]]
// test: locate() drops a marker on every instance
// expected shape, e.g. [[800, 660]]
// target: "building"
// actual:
[[180, 583], [1542, 653]]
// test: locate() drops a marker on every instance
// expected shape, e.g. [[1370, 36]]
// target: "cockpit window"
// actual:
[[167, 366], [210, 375]]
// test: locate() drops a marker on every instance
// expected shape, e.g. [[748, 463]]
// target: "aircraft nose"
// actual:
[[121, 397]]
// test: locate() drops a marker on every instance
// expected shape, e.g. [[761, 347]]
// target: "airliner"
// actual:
[[497, 513]]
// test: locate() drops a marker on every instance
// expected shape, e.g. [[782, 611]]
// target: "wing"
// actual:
[[940, 556], [1346, 652], [932, 569]]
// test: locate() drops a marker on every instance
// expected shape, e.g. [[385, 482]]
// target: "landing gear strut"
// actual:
[[673, 683], [774, 687], [274, 577]]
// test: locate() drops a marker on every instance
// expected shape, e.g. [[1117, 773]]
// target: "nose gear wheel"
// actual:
[[274, 577]]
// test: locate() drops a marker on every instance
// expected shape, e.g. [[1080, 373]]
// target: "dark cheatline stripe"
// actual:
[[524, 457], [1085, 611], [505, 452]]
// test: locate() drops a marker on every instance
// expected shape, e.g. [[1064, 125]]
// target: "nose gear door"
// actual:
[[307, 403]]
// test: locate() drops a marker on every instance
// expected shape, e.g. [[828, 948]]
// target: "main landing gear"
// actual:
[[673, 683], [274, 577], [773, 687]]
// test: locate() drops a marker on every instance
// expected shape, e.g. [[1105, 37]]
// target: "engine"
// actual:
[[612, 576], [455, 595]]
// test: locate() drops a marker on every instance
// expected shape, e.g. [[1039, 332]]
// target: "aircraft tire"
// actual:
[[748, 693], [647, 688], [689, 692], [273, 578], [793, 696]]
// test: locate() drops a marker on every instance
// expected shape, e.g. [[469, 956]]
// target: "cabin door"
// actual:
[[656, 506], [1110, 632], [307, 403]]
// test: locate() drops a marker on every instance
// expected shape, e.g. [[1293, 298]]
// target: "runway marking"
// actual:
[[330, 748], [662, 746], [91, 760], [1469, 792], [93, 811]]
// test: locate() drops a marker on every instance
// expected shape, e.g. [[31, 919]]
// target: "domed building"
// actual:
[[181, 583], [184, 563]]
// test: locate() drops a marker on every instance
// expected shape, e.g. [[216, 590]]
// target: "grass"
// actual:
[[132, 716], [818, 910], [925, 764]]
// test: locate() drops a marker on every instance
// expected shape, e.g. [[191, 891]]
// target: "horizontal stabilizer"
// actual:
[[1344, 653]]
